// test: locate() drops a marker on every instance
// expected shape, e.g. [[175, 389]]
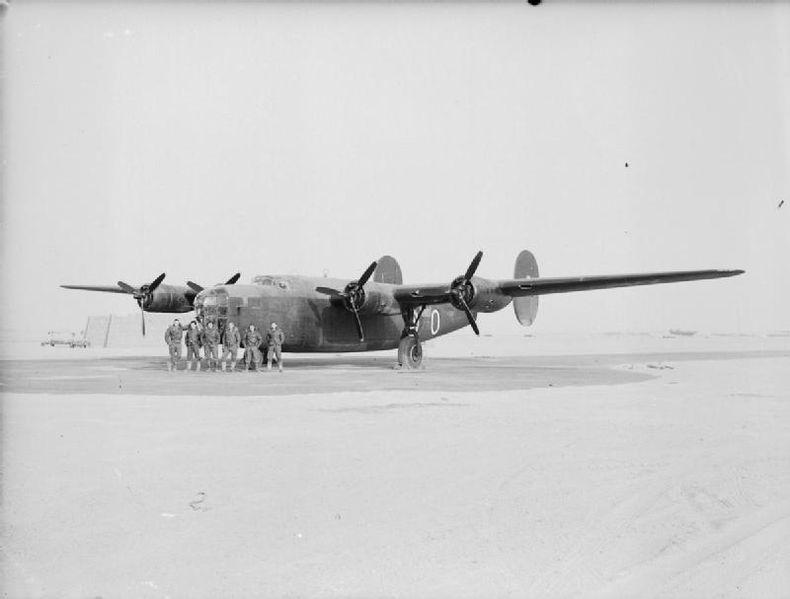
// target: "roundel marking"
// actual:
[[435, 321]]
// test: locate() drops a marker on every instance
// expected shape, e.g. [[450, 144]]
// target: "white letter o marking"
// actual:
[[435, 322]]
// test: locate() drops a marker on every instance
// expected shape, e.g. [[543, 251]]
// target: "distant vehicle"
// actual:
[[61, 338], [682, 333]]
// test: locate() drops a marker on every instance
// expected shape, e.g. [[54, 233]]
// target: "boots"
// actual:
[[197, 366], [170, 367], [232, 366], [189, 365], [223, 367]]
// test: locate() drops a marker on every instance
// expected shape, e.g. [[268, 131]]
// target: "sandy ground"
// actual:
[[664, 473]]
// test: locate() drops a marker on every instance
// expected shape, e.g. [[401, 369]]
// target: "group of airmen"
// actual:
[[208, 339]]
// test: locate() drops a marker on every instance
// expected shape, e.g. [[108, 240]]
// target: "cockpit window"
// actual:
[[212, 305], [263, 280], [268, 281]]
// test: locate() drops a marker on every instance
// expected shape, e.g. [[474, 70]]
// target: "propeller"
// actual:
[[198, 288], [142, 294], [353, 296], [462, 291]]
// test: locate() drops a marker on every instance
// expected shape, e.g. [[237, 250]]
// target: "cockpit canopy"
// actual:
[[270, 281]]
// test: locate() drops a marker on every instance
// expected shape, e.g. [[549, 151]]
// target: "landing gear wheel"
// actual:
[[410, 352]]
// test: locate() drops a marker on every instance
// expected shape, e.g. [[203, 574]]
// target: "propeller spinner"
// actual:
[[142, 294], [462, 291]]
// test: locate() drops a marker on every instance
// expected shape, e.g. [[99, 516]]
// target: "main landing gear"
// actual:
[[410, 352], [410, 348]]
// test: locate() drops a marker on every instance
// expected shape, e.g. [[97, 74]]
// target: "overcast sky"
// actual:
[[209, 138]]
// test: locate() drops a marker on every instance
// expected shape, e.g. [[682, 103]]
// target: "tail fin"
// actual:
[[526, 308], [388, 271]]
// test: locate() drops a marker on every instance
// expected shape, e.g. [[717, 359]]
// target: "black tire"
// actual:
[[410, 352]]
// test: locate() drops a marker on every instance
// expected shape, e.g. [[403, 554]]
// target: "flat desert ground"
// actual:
[[511, 466]]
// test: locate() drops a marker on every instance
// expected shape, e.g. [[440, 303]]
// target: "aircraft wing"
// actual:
[[546, 285], [441, 293], [422, 294], [105, 288]]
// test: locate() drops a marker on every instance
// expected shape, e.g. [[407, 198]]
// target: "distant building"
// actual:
[[125, 330]]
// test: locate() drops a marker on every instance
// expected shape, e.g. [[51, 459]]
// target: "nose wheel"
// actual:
[[410, 352]]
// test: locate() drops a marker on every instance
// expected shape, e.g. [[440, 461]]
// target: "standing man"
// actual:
[[230, 345], [173, 339], [252, 339], [193, 345], [274, 345], [210, 343]]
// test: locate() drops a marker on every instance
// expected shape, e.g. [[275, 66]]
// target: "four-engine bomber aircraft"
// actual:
[[376, 311]]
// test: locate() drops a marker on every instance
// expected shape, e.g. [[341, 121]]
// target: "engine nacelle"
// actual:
[[371, 300], [169, 298], [485, 296]]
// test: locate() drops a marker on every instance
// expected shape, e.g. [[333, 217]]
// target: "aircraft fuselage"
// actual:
[[315, 322]]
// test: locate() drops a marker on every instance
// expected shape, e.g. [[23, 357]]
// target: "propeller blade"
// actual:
[[127, 288], [359, 323], [156, 282], [351, 295], [233, 279], [366, 275], [473, 266], [142, 315], [330, 291], [470, 317], [194, 287]]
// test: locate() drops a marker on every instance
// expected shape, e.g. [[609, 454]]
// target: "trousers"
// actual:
[[175, 353], [210, 352], [252, 354]]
